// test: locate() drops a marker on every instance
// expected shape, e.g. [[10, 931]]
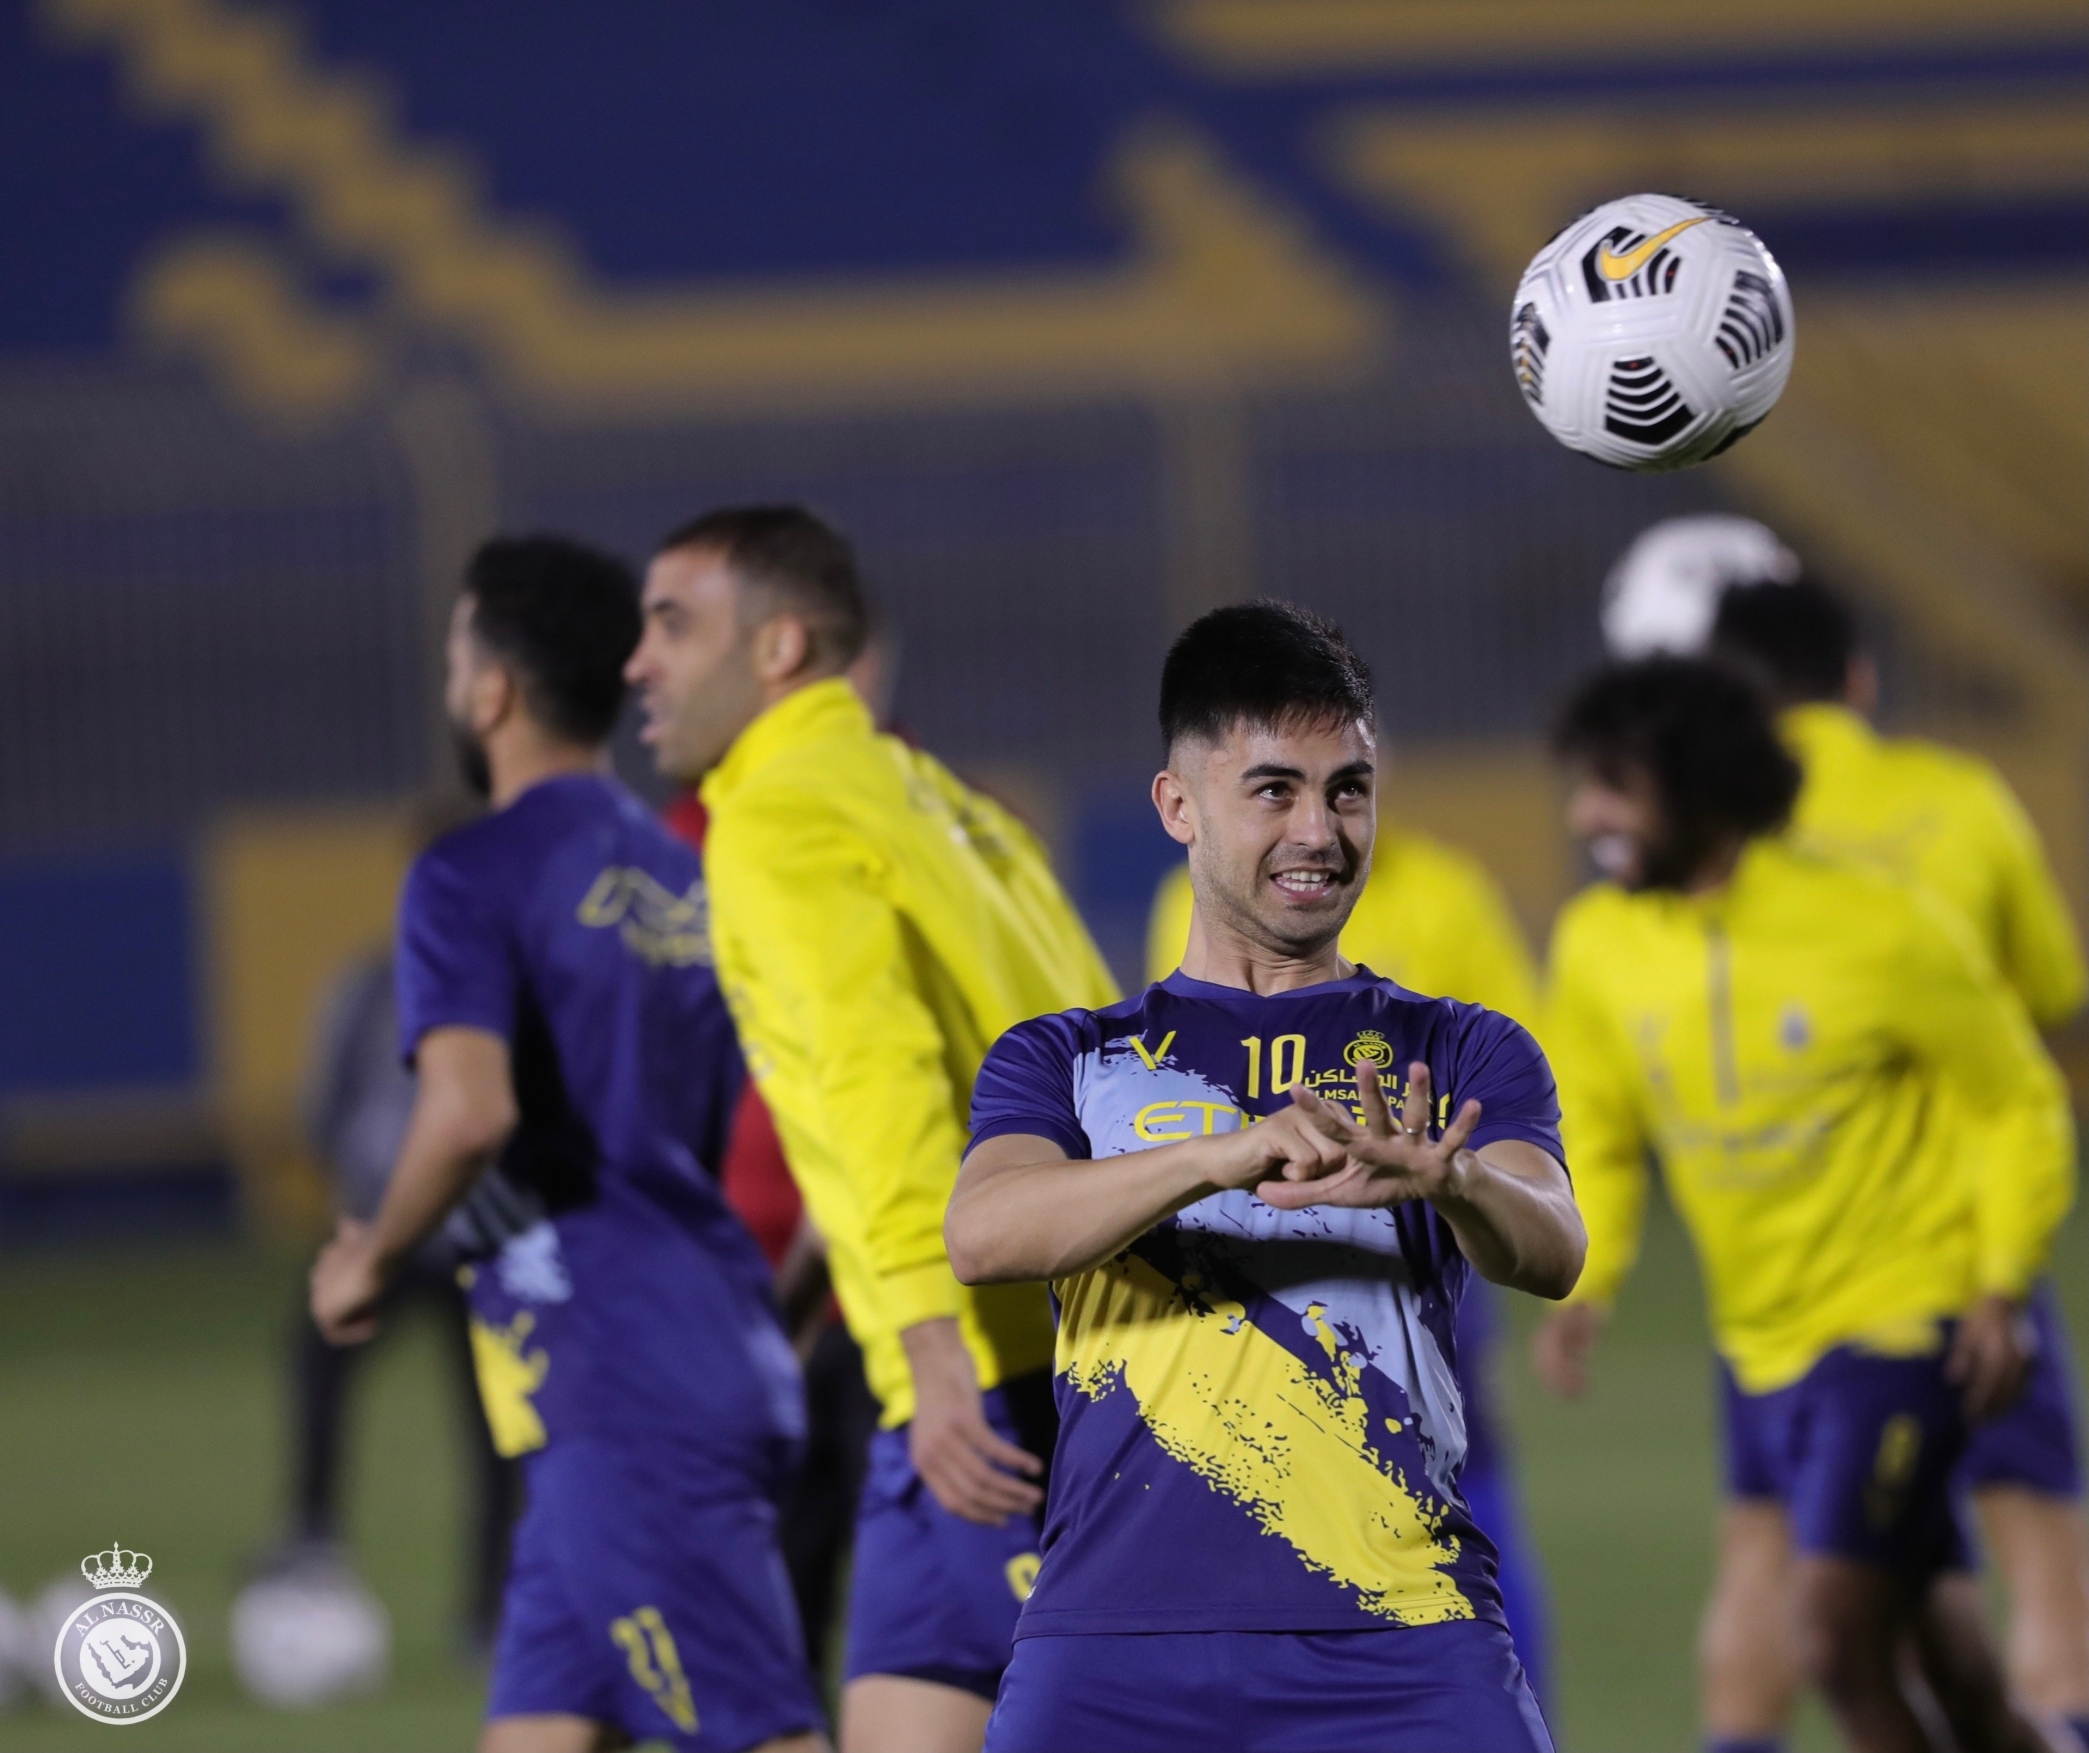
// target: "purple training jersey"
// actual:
[[615, 1294], [1260, 1424]]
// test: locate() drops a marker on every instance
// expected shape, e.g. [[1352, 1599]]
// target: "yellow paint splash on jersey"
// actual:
[[1288, 1445], [508, 1376]]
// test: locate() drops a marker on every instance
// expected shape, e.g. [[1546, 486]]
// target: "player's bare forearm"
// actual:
[[463, 1113], [1514, 1215], [437, 1165], [1023, 1210]]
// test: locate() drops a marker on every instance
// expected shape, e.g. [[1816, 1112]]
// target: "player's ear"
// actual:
[[1860, 685], [493, 695], [1177, 808], [783, 646]]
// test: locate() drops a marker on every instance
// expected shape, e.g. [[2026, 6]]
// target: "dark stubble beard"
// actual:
[[472, 766], [1673, 860]]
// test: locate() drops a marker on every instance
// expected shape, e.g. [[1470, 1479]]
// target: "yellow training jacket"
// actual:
[[1948, 821], [877, 926], [1429, 917], [1779, 1045]]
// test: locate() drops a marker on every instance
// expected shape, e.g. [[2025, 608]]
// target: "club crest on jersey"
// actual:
[[1793, 1029], [1369, 1047], [120, 1657]]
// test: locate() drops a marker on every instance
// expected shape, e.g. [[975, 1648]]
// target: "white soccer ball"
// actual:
[[1652, 333], [308, 1636]]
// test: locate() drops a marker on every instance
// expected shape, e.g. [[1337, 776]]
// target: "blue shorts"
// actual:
[[934, 1597], [651, 1598], [2033, 1444], [1860, 1450], [1453, 1688]]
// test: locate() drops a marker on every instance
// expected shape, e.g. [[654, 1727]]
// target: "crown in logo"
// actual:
[[117, 1568], [1369, 1044]]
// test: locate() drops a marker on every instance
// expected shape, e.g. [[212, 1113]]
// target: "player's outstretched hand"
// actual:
[[1990, 1356], [968, 1466], [1384, 1162], [347, 1281]]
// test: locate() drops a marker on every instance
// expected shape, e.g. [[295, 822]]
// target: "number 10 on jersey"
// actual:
[[1287, 1064]]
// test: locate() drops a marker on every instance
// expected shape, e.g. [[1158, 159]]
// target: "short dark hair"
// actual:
[[791, 551], [1798, 638], [564, 619], [1264, 664], [1701, 732]]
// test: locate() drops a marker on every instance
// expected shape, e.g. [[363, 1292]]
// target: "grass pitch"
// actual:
[[141, 1399]]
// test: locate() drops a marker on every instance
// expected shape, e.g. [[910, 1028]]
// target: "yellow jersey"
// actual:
[[1430, 918], [877, 926], [1948, 821], [1779, 1045]]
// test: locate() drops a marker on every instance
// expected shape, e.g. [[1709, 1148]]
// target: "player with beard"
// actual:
[[557, 1000], [878, 924], [1945, 819], [1776, 1025], [1948, 820], [1255, 1538]]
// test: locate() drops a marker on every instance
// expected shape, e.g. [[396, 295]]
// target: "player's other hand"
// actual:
[[1990, 1355], [1562, 1345], [1295, 1143], [347, 1281], [1383, 1162], [970, 1469]]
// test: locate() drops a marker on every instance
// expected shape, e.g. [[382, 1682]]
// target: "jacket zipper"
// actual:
[[1719, 956]]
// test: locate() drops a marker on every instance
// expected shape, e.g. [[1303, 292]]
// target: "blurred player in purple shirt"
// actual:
[[577, 1063]]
